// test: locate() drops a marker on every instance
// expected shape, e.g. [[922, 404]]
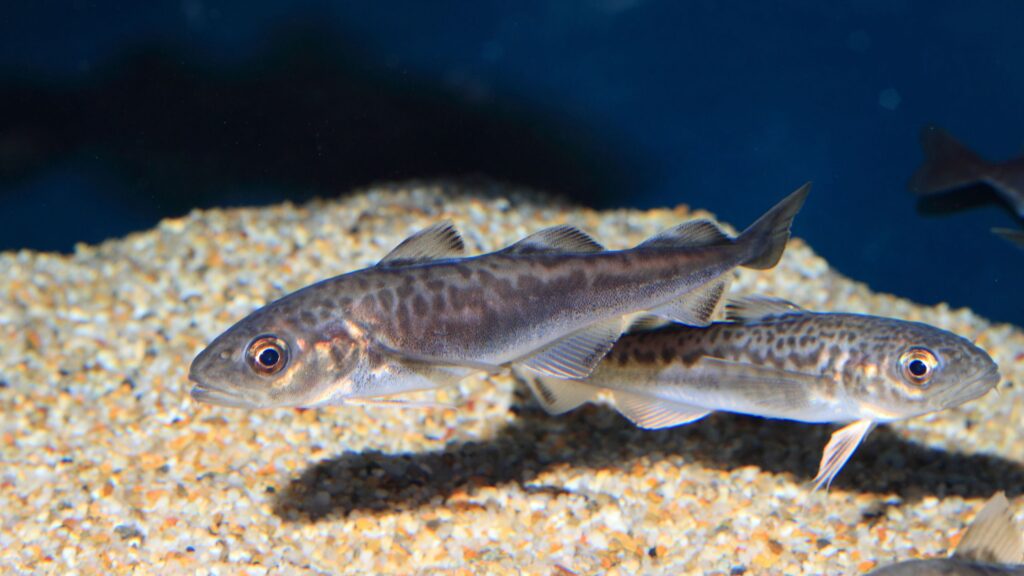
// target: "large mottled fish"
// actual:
[[775, 360], [949, 165], [426, 316], [992, 546]]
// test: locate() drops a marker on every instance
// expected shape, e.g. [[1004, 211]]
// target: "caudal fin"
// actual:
[[768, 236], [948, 164]]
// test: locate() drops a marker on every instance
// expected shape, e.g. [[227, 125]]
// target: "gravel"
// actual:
[[107, 466]]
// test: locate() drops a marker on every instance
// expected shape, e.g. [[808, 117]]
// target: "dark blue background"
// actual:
[[114, 114]]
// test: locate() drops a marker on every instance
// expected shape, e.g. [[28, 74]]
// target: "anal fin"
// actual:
[[558, 395], [839, 449], [654, 413], [697, 307], [576, 355]]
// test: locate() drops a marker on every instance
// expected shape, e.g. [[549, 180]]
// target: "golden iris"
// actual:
[[918, 365], [267, 355]]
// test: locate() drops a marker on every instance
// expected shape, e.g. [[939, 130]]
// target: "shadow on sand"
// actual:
[[596, 437]]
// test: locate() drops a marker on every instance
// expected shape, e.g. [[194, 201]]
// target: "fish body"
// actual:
[[948, 567], [425, 316], [950, 165], [775, 360], [992, 546], [1015, 237]]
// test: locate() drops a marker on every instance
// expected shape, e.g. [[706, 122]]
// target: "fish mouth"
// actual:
[[217, 396], [974, 388]]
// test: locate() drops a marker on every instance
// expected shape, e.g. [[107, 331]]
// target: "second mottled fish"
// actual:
[[776, 360]]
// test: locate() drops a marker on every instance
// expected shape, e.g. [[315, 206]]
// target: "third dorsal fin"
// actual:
[[748, 308], [562, 238], [439, 241], [692, 234]]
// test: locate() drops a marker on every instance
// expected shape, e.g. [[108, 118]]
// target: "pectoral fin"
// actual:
[[839, 449], [654, 413], [575, 355], [696, 307]]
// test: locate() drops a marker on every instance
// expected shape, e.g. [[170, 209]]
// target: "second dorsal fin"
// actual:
[[439, 241], [563, 238], [748, 308]]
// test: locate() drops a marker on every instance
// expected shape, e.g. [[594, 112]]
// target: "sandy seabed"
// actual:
[[107, 466]]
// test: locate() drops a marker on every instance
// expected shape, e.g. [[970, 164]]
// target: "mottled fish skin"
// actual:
[[836, 367], [778, 361], [418, 324]]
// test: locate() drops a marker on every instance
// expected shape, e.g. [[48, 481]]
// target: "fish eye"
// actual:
[[267, 355], [918, 365]]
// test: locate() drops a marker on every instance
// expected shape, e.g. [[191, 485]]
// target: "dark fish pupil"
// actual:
[[918, 368], [269, 357]]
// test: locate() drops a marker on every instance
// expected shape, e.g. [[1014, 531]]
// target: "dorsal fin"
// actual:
[[692, 234], [439, 241], [555, 239], [992, 536], [750, 308]]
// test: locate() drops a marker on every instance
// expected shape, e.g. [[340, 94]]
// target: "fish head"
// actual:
[[275, 358], [913, 368]]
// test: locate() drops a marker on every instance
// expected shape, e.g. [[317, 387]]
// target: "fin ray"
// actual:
[[748, 308], [655, 413], [692, 234], [558, 395], [556, 239], [697, 307], [839, 449], [439, 241], [575, 355]]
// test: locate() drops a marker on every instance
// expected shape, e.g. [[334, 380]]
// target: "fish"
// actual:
[[427, 316], [1015, 237], [773, 359], [992, 546], [949, 165]]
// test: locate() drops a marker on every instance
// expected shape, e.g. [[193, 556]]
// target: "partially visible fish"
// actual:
[[426, 316], [992, 546], [1011, 236], [775, 360], [949, 165]]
